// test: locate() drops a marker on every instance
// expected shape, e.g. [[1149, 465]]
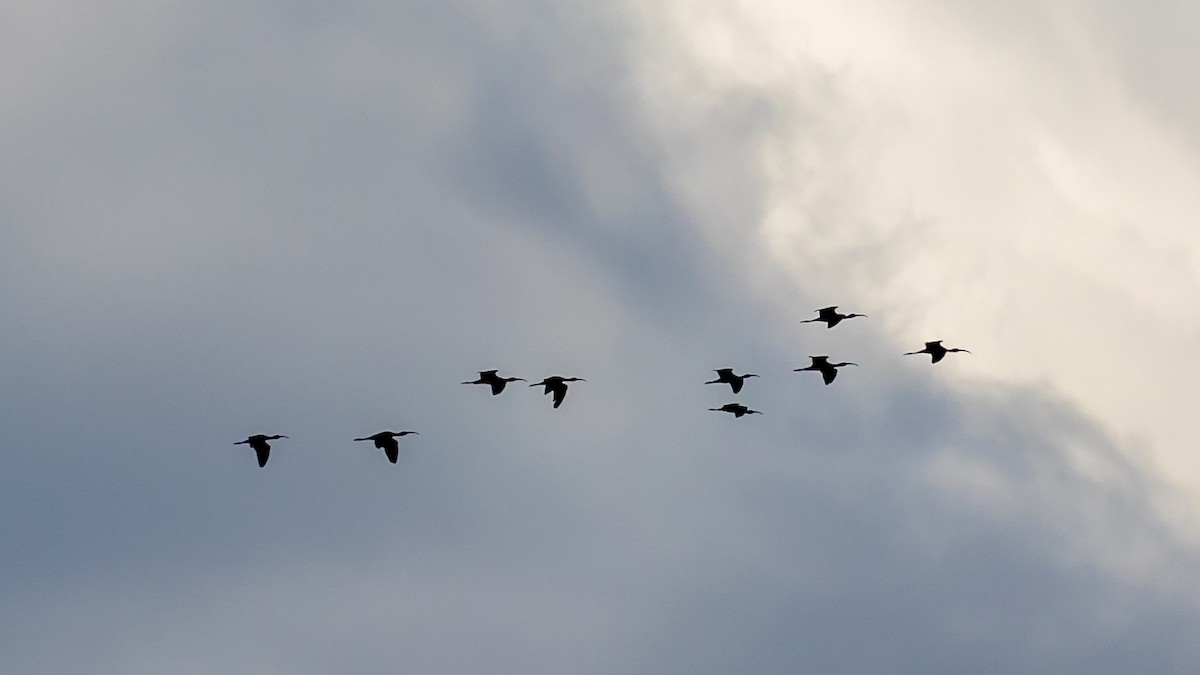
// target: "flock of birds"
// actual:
[[821, 364], [557, 386]]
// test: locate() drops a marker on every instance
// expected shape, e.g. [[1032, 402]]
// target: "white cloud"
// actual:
[[990, 179]]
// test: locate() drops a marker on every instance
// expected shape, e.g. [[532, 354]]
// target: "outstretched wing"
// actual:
[[264, 453], [560, 392], [938, 356], [498, 386], [393, 452], [735, 383], [829, 374]]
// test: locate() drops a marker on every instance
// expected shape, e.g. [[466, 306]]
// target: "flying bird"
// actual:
[[935, 350], [830, 316], [261, 447], [822, 365], [558, 386], [737, 409], [497, 383], [386, 440], [726, 375]]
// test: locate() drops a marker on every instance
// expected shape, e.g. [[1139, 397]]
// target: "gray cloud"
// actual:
[[317, 223]]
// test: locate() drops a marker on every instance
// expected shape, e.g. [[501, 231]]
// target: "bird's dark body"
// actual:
[[822, 365], [261, 448], [727, 376], [492, 379], [737, 409], [936, 351], [831, 317], [386, 441], [557, 385]]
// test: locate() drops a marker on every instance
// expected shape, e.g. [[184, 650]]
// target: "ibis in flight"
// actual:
[[489, 377], [557, 385], [726, 375], [737, 409], [386, 441], [822, 365], [830, 316], [261, 447], [935, 350]]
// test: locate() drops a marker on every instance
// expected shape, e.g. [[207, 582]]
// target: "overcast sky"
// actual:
[[316, 219]]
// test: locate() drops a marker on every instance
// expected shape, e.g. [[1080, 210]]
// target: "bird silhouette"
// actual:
[[497, 383], [261, 447], [386, 440], [726, 375], [935, 350], [557, 385], [822, 365], [737, 409], [830, 316]]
